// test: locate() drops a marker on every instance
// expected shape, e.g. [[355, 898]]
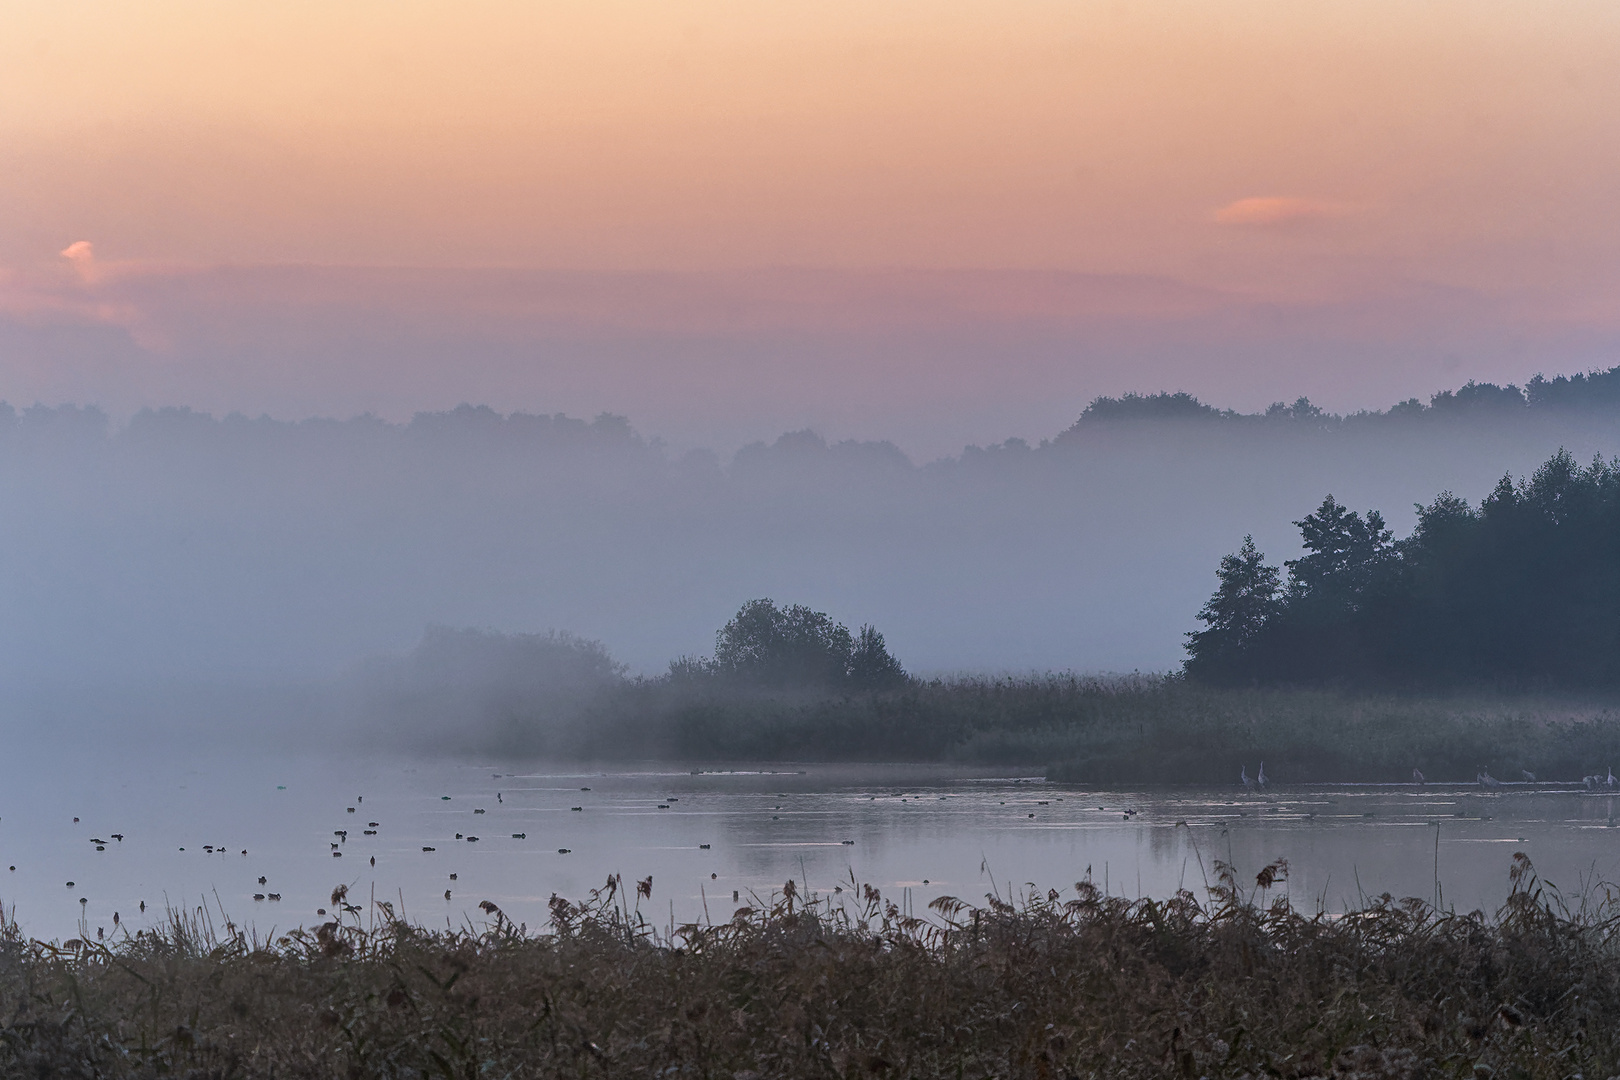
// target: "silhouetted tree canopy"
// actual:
[[1522, 591], [794, 646]]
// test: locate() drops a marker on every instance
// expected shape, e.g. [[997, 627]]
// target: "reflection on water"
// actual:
[[398, 831]]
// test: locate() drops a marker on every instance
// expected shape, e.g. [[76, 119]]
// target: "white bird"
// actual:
[[1417, 777], [1611, 781], [1260, 777], [1529, 777], [1243, 775], [1486, 779]]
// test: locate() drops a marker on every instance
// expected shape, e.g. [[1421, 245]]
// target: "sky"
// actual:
[[939, 223]]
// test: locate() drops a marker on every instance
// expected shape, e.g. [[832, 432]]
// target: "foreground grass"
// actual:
[[1073, 984], [1107, 731]]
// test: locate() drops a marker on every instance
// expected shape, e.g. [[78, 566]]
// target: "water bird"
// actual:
[[1032, 815], [479, 811], [1485, 779], [458, 836], [847, 843], [351, 809], [447, 894], [75, 821], [584, 789], [337, 854], [665, 806], [275, 896], [576, 808], [258, 896], [520, 836], [244, 851], [262, 879], [341, 832], [359, 798], [374, 860], [452, 877], [334, 847], [430, 849], [1611, 781], [143, 907], [100, 848], [70, 884], [472, 839], [703, 847], [1260, 777], [444, 798], [115, 918], [1243, 778], [372, 824], [563, 850], [498, 797], [1417, 777], [733, 896], [118, 836], [1529, 777], [369, 832], [95, 840]]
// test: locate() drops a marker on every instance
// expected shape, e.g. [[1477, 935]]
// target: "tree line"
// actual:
[[1521, 591], [1562, 394]]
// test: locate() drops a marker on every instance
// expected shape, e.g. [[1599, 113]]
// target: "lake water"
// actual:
[[913, 832]]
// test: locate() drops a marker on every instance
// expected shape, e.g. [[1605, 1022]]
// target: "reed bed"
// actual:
[[1142, 729], [1057, 984]]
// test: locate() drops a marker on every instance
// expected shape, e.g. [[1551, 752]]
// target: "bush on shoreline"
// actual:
[[1059, 985]]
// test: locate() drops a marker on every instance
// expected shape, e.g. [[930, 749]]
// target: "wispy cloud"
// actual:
[[81, 255], [1277, 210]]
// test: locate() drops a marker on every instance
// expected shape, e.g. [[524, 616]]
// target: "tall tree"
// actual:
[[1246, 599]]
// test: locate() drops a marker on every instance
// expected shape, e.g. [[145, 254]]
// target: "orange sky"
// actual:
[[1281, 151]]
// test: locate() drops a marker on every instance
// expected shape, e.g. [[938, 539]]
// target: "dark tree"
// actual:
[[1522, 592], [1343, 555], [786, 646], [870, 665], [1245, 601]]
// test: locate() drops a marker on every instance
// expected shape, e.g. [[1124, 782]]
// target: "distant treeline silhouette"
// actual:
[[468, 426], [1599, 390], [1522, 591]]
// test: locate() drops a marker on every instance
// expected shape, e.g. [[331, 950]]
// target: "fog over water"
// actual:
[[180, 554], [185, 602], [261, 839]]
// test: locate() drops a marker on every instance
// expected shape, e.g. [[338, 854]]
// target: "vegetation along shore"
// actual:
[[1069, 983]]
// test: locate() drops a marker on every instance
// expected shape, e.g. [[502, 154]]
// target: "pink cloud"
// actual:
[[81, 255], [1276, 210]]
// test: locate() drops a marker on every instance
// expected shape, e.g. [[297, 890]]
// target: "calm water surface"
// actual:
[[913, 832]]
